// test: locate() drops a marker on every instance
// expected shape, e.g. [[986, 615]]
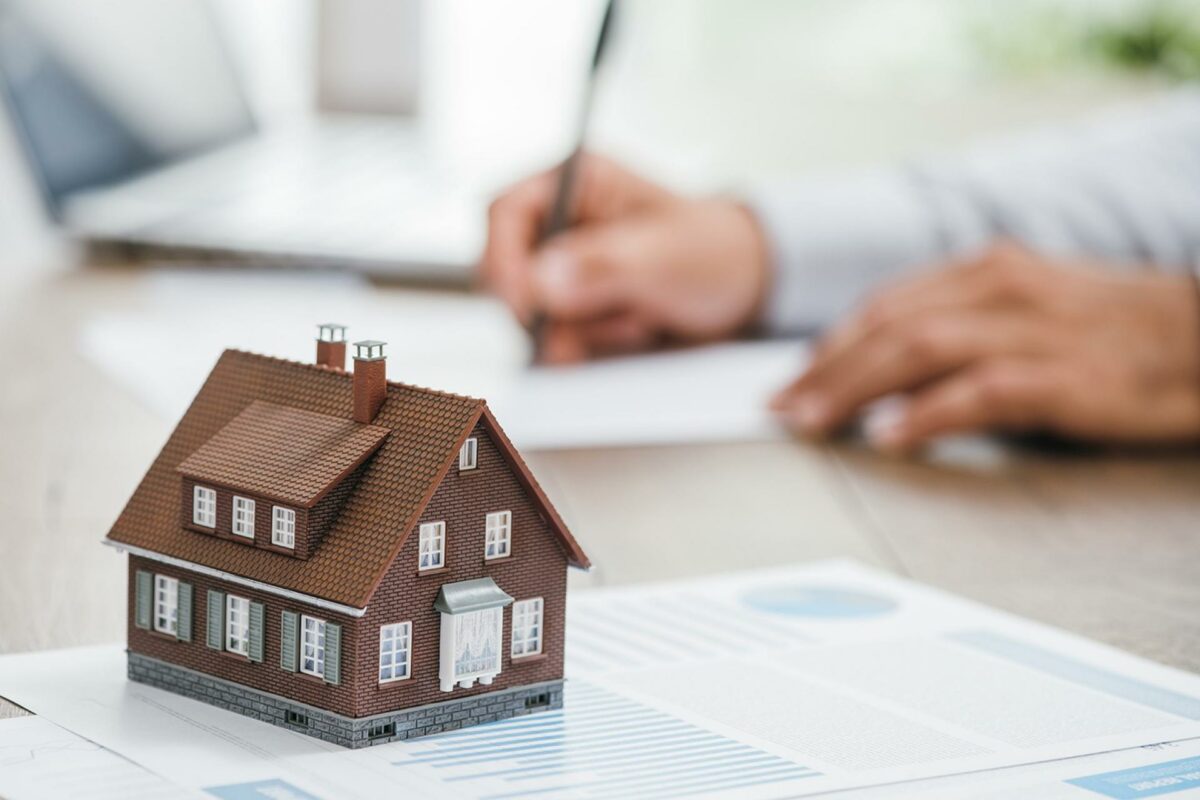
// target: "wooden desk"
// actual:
[[1107, 546]]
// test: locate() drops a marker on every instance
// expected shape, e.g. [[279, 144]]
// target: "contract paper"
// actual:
[[769, 684], [162, 353]]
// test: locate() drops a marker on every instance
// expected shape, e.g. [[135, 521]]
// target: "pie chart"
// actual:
[[817, 602]]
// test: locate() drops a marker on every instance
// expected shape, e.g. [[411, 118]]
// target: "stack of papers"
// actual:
[[822, 678], [163, 352]]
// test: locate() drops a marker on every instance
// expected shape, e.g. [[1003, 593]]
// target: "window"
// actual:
[[237, 625], [527, 627], [378, 730], [499, 534], [166, 604], [204, 507], [283, 526], [395, 651], [312, 646], [297, 718], [243, 517], [539, 700], [432, 545], [477, 644], [468, 454]]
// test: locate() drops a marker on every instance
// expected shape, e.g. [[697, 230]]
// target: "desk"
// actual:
[[1106, 546]]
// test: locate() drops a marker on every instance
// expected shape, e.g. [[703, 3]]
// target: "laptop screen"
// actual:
[[101, 90]]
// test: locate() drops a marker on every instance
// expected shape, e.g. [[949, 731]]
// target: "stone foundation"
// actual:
[[407, 723]]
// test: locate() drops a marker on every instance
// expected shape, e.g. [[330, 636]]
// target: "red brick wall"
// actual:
[[536, 568], [266, 675]]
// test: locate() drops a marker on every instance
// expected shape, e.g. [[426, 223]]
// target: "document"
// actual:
[[38, 759], [162, 352], [767, 684]]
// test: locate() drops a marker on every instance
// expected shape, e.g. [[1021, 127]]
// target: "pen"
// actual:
[[560, 211]]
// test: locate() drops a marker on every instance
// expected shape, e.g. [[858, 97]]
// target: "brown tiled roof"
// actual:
[[425, 429], [283, 453]]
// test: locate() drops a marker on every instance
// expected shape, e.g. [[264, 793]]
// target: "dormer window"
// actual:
[[204, 507], [498, 535], [243, 517], [283, 527], [468, 454]]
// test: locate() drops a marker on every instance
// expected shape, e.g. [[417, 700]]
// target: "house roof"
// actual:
[[283, 453], [424, 428]]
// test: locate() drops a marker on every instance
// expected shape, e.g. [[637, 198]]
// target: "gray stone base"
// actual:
[[408, 723]]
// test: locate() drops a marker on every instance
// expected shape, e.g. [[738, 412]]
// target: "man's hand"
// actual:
[[1015, 342], [640, 266]]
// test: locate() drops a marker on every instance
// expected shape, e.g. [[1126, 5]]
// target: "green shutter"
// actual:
[[256, 631], [144, 600], [216, 619], [184, 630], [333, 653], [287, 642]]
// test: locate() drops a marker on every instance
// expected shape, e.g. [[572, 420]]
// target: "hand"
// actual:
[[640, 266], [1016, 342]]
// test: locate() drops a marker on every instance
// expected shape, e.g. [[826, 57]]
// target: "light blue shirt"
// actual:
[[1122, 188]]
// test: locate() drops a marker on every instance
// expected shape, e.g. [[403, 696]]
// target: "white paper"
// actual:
[[779, 682], [41, 761], [162, 351], [1173, 766]]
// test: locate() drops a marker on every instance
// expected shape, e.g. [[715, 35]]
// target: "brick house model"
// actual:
[[345, 556]]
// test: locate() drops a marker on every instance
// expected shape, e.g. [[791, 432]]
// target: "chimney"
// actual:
[[370, 379], [331, 345]]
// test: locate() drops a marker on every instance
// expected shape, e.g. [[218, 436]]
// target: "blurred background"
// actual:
[[702, 94], [180, 177]]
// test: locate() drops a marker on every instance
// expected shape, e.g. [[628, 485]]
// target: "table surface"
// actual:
[[1103, 544]]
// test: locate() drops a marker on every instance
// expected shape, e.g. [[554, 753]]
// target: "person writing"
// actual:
[[1039, 284]]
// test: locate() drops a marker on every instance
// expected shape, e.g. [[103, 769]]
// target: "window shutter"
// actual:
[[216, 619], [287, 642], [183, 631], [144, 599], [333, 653], [256, 631]]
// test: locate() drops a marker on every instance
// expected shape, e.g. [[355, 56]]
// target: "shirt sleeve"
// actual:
[[1123, 189]]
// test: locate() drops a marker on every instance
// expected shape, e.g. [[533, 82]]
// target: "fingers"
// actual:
[[599, 270], [568, 343], [901, 357], [514, 228], [1003, 275], [603, 192], [1006, 394]]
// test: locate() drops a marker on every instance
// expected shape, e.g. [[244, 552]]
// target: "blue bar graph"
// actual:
[[599, 745]]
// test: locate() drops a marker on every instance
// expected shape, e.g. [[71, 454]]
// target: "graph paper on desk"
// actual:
[[770, 684], [789, 682]]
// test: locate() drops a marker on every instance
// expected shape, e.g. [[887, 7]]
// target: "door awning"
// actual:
[[465, 596]]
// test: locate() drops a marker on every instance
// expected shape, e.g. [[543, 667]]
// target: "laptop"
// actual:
[[134, 121]]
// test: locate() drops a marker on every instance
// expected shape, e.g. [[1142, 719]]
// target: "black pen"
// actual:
[[560, 212]]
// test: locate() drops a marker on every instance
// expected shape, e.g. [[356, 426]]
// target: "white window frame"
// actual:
[[312, 645], [432, 543], [204, 506], [527, 627], [237, 624], [461, 636], [166, 604], [497, 539], [468, 454], [395, 646], [243, 517], [283, 527]]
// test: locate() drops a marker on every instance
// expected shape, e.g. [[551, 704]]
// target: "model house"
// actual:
[[346, 556]]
